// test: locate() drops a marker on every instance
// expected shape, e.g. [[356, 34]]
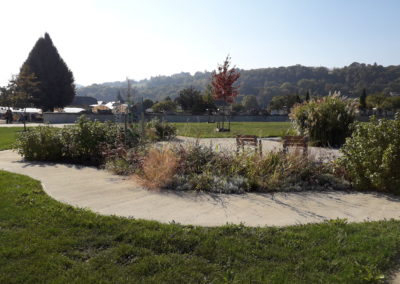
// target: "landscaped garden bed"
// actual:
[[370, 160], [182, 168]]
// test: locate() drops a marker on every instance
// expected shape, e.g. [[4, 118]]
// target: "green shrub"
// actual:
[[194, 158], [41, 143], [327, 121], [290, 172], [123, 161], [82, 143], [157, 130], [371, 157]]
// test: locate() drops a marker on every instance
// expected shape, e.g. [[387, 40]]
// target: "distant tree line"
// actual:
[[267, 83]]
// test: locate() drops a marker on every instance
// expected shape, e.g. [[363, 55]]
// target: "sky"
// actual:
[[105, 41]]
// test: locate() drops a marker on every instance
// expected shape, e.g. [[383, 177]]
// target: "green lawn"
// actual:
[[261, 129], [44, 241], [198, 130], [7, 136]]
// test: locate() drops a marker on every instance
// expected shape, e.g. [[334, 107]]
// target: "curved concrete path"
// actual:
[[108, 194]]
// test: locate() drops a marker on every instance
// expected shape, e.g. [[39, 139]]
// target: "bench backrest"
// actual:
[[296, 141], [246, 140]]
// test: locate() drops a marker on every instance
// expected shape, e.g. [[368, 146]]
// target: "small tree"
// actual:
[[147, 103], [164, 106], [363, 100], [282, 102], [208, 99], [119, 97], [21, 90], [5, 97], [308, 96], [250, 103], [191, 100], [223, 85], [237, 108], [298, 100]]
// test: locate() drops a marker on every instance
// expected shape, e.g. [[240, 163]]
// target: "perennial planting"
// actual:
[[370, 158]]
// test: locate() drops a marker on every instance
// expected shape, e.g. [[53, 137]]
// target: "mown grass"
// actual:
[[44, 241], [198, 130], [7, 136], [261, 129]]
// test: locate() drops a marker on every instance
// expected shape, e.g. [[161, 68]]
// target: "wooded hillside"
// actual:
[[265, 83]]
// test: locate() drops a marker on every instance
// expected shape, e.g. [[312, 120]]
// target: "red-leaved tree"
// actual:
[[223, 83]]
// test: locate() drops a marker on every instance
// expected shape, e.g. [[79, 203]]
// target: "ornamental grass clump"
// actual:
[[159, 167], [326, 121], [278, 171], [371, 156], [201, 169]]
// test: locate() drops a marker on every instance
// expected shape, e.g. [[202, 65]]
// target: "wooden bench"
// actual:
[[295, 141], [250, 140]]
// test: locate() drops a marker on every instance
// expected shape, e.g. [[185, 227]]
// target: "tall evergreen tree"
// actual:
[[363, 99], [120, 98], [298, 100], [56, 87], [308, 96]]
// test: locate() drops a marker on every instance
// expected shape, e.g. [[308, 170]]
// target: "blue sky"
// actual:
[[110, 40]]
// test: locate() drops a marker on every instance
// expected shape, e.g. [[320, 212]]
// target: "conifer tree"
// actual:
[[308, 96], [298, 100], [120, 98], [363, 99], [56, 87]]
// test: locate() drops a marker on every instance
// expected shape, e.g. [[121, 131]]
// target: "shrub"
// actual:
[[371, 157], [82, 143], [41, 143], [290, 172], [203, 170], [193, 158], [157, 130], [159, 167], [325, 120], [122, 161]]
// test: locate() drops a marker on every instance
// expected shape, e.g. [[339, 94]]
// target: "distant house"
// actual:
[[71, 110], [101, 109], [394, 94]]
